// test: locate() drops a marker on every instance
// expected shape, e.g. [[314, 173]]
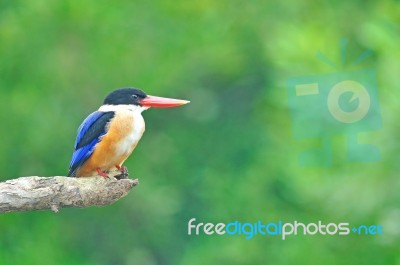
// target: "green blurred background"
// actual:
[[228, 155]]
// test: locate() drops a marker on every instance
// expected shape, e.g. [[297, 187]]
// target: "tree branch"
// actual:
[[42, 193]]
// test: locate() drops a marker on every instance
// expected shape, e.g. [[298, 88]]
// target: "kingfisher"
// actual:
[[109, 135]]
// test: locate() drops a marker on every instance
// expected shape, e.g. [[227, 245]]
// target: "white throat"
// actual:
[[133, 108]]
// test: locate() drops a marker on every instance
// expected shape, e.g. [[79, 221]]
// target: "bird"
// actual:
[[108, 136]]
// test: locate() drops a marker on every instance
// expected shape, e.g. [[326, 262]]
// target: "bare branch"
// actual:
[[42, 193]]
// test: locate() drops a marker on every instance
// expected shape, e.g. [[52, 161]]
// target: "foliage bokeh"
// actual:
[[228, 155]]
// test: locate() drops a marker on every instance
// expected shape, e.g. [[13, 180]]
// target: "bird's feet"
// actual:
[[102, 173], [124, 172]]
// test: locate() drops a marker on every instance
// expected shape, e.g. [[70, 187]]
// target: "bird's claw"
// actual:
[[102, 173], [124, 173]]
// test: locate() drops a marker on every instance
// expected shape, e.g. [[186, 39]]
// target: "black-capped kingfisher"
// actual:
[[108, 136]]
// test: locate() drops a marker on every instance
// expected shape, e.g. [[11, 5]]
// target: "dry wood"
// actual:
[[41, 193]]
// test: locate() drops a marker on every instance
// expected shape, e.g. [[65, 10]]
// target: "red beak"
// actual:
[[159, 102]]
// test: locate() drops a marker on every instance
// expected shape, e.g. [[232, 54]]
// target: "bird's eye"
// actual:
[[134, 97]]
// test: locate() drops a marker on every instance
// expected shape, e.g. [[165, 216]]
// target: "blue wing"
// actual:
[[89, 134]]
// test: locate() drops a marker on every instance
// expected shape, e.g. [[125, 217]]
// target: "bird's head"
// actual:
[[137, 98]]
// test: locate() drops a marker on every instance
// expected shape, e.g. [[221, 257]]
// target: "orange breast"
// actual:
[[125, 131]]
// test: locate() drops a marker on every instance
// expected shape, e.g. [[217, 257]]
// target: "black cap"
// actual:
[[125, 96]]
